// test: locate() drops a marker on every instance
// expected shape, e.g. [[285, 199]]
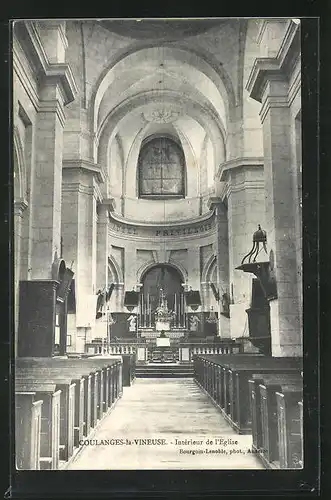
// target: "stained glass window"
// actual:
[[161, 167]]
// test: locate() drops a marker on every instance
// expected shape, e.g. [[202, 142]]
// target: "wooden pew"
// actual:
[[49, 423], [85, 366], [255, 405], [129, 369], [90, 390], [226, 379], [67, 405], [239, 388], [200, 363], [79, 421], [271, 425], [87, 392], [290, 439], [301, 433], [27, 430], [83, 394]]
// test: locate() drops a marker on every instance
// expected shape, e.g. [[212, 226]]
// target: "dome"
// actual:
[[159, 29]]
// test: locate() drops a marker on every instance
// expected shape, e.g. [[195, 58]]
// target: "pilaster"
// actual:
[[270, 33], [56, 89], [222, 257], [269, 84], [53, 35], [193, 267], [130, 263], [20, 207], [103, 210], [244, 195], [80, 195]]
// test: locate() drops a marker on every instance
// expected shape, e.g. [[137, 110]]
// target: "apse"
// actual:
[[162, 280]]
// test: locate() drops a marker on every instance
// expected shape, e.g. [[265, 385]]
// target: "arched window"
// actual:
[[161, 168]]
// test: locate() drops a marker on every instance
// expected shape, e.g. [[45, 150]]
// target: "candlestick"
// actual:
[[175, 310], [150, 310], [142, 310]]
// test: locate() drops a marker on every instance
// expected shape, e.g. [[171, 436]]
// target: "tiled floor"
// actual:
[[168, 409]]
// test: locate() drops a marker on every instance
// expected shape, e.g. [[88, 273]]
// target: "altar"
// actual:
[[165, 320], [163, 315]]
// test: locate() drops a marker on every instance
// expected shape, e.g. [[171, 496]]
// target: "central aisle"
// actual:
[[172, 410]]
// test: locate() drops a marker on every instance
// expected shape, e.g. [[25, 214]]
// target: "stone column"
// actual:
[[19, 209], [57, 88], [222, 256], [244, 195], [80, 194], [103, 242], [53, 35], [130, 267], [268, 84], [193, 267]]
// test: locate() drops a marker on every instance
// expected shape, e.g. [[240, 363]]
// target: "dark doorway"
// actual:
[[168, 279]]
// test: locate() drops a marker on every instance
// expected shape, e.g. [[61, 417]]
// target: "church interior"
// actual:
[[157, 229]]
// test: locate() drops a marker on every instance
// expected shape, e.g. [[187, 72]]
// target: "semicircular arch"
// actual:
[[203, 116], [148, 266], [19, 167], [115, 270], [198, 58], [208, 269]]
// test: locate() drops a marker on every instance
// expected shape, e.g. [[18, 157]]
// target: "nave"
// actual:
[[148, 159], [170, 409]]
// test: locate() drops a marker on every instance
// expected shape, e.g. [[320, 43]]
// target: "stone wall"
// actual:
[[76, 147]]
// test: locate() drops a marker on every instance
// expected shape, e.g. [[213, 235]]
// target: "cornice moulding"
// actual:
[[22, 74], [263, 26], [213, 202], [162, 224], [247, 185], [109, 202], [87, 166], [61, 73], [271, 68], [279, 101], [53, 107], [245, 162], [295, 86]]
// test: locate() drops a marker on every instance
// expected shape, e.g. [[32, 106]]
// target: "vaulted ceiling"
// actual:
[[162, 85], [159, 29]]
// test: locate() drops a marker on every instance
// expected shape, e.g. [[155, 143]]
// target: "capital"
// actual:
[[214, 202]]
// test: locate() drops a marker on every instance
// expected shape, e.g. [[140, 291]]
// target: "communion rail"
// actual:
[[185, 351]]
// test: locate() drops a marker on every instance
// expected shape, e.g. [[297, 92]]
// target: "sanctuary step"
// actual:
[[162, 370]]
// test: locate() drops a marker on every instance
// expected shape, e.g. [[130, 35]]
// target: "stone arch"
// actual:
[[115, 270], [115, 170], [208, 268], [147, 266], [211, 68], [131, 165], [252, 128], [19, 168], [205, 117]]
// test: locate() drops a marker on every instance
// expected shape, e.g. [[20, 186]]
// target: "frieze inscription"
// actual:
[[159, 232]]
